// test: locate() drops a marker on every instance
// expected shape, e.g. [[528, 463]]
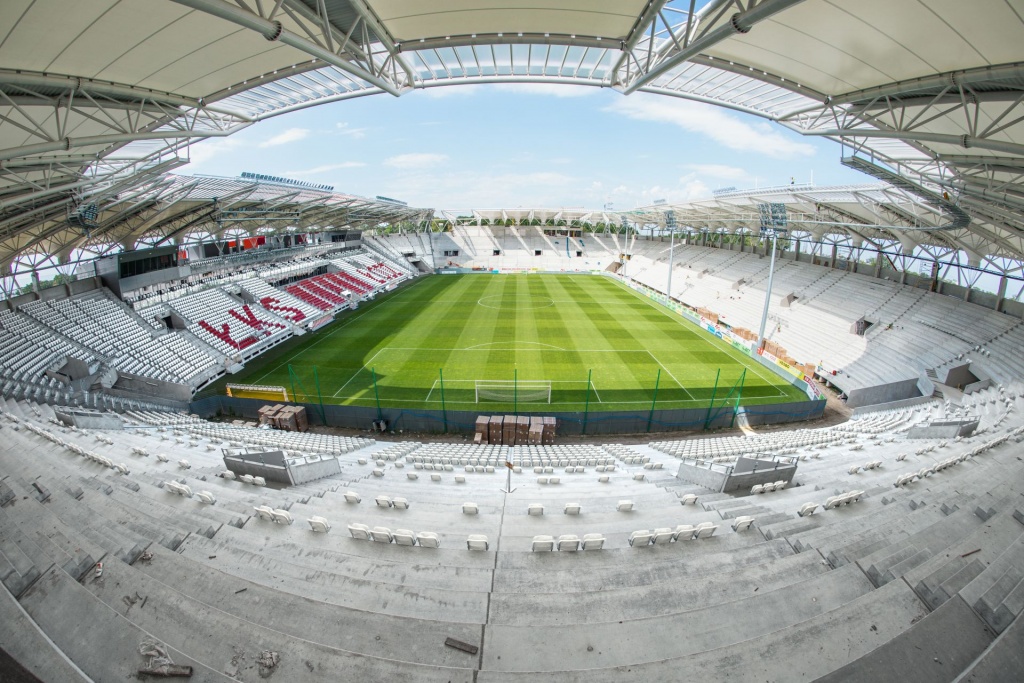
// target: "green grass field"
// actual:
[[551, 328]]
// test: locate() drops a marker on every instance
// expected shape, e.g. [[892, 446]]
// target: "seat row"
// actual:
[[567, 542], [269, 514], [666, 535], [848, 498], [769, 487], [380, 534]]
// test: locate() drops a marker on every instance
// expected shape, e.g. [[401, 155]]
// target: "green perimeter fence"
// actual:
[[718, 416]]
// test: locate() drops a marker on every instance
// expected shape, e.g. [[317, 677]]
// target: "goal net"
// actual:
[[507, 391]]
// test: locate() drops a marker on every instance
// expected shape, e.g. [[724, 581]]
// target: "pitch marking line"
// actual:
[[332, 332], [480, 302], [335, 395], [480, 347], [678, 383]]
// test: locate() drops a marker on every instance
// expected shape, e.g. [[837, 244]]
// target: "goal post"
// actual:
[[509, 391]]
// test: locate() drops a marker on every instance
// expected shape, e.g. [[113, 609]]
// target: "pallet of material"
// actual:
[[267, 413], [535, 437], [291, 419], [494, 430], [301, 417], [550, 424], [481, 428], [508, 430], [522, 428]]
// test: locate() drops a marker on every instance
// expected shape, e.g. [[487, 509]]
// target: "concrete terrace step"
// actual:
[[93, 530], [100, 641], [983, 545], [595, 571], [623, 643], [838, 526], [881, 566], [22, 640], [997, 577], [52, 537], [437, 568], [1003, 660], [214, 636], [651, 599], [779, 655], [365, 632], [363, 593], [1001, 603], [933, 650]]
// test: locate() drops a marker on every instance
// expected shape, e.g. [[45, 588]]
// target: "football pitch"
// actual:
[[521, 340]]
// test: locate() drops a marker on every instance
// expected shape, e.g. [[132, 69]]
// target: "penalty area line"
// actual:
[[432, 385], [678, 383], [356, 374]]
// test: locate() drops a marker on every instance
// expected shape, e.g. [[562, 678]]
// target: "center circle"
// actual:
[[494, 301]]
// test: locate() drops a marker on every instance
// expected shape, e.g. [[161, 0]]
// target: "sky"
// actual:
[[524, 145]]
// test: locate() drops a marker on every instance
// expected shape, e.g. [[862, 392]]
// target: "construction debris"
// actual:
[[459, 645], [267, 660], [160, 664]]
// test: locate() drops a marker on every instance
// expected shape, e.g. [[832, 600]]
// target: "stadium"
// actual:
[[254, 427]]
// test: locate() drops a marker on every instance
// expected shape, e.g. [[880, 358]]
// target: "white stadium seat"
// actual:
[[319, 524], [359, 531], [568, 542], [640, 538], [742, 523], [477, 542], [542, 543]]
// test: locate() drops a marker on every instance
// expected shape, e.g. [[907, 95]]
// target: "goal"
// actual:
[[266, 393], [507, 391]]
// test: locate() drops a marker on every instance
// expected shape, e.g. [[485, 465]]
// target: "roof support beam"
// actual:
[[965, 141], [646, 19], [382, 34], [1003, 72], [273, 30], [741, 22], [980, 160], [68, 143]]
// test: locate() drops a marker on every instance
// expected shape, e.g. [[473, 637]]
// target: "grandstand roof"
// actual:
[[98, 99]]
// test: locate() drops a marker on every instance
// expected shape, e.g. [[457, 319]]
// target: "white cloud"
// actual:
[[473, 189], [622, 197], [201, 153], [290, 135], [713, 122], [719, 171], [324, 169], [416, 160], [552, 89], [354, 133]]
